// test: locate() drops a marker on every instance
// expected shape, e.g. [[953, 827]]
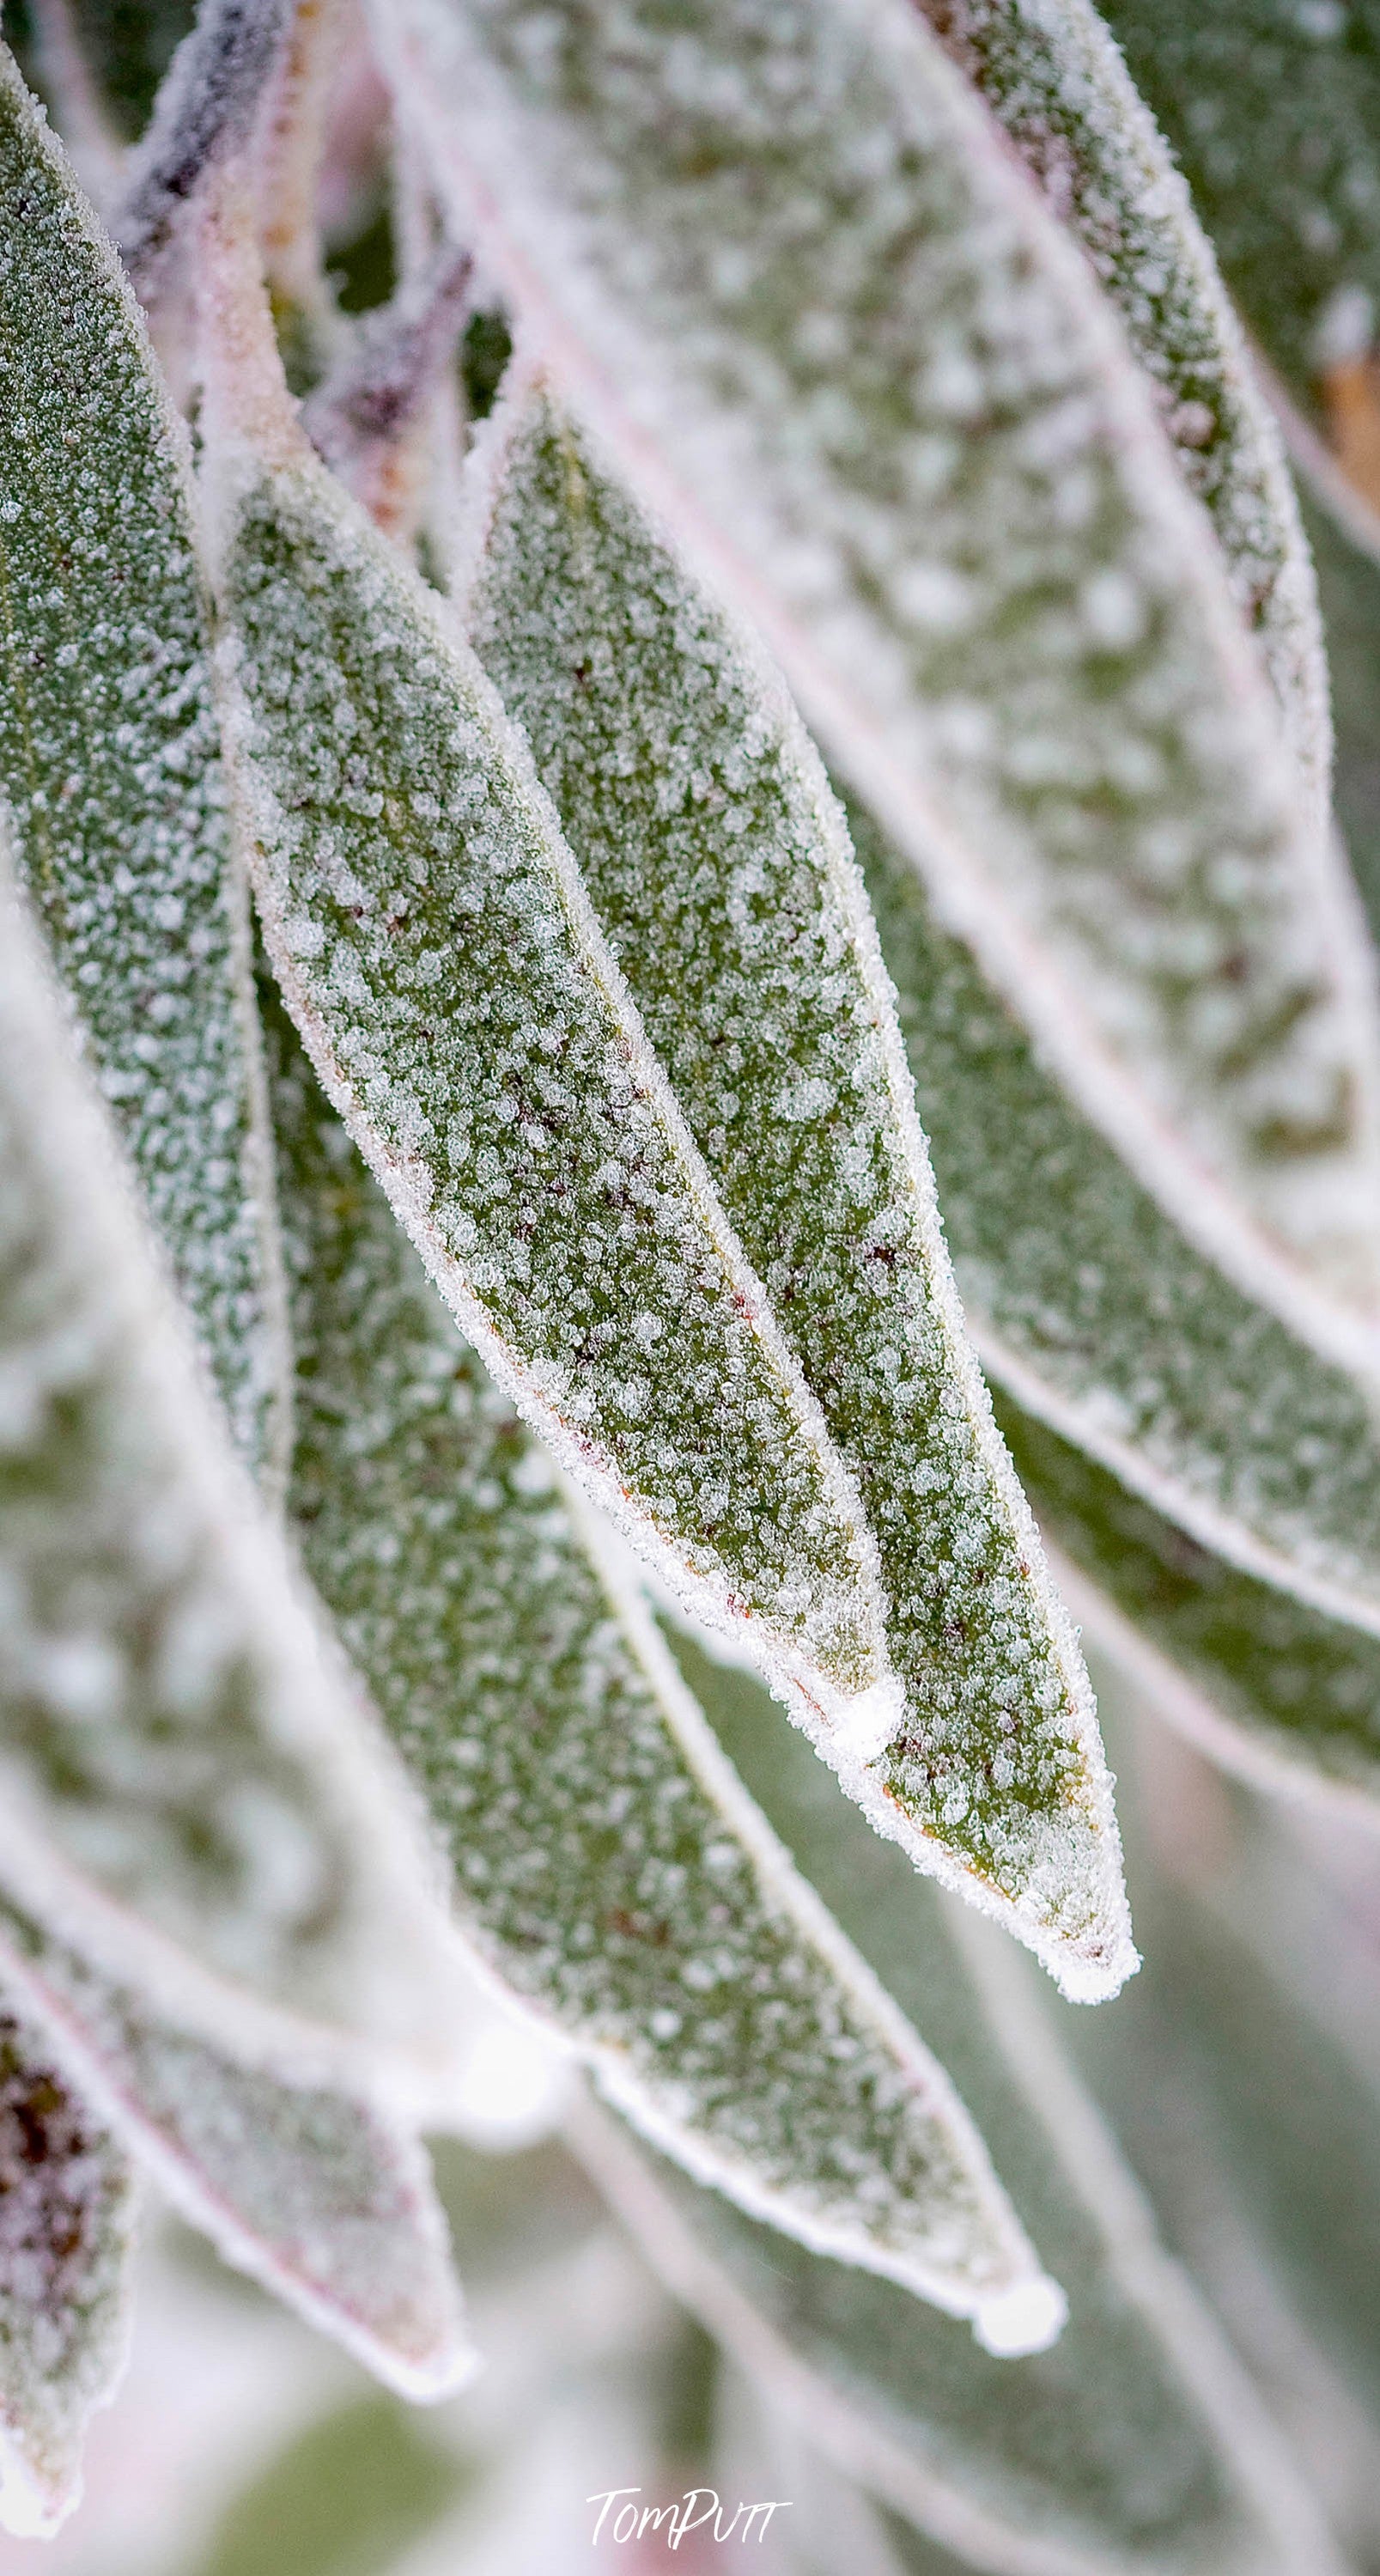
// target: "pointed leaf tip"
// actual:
[[720, 869], [429, 928]]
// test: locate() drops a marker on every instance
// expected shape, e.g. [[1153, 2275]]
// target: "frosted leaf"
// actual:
[[1094, 1312], [204, 112], [1137, 2441], [66, 2238], [110, 758], [188, 1784], [779, 256], [310, 2189], [1053, 77], [1271, 1686], [720, 869], [1273, 109], [438, 951], [603, 1858]]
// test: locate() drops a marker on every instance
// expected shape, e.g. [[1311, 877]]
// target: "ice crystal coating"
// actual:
[[182, 1765], [66, 2225], [309, 2189], [1050, 72], [370, 417], [109, 754], [438, 951], [205, 109], [779, 254], [720, 869], [1095, 1312], [1273, 108], [603, 1856], [1136, 2443]]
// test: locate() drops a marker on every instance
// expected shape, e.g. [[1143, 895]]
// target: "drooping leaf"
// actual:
[[1095, 1313], [1273, 110], [602, 1855], [188, 1784], [66, 2228], [1057, 84], [719, 866], [1270, 1685], [1136, 2443], [438, 951], [309, 2188], [782, 259], [109, 756]]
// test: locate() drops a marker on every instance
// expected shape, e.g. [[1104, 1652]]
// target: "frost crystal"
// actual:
[[430, 932], [109, 753], [66, 2222], [603, 1855], [779, 254], [720, 868]]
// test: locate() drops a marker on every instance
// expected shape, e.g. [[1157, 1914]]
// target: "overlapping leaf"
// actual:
[[719, 867], [66, 2221], [1136, 2443], [1274, 113], [826, 323], [187, 1781], [109, 755], [1057, 84], [1269, 1684], [602, 1854], [1092, 1309], [438, 951], [311, 2190]]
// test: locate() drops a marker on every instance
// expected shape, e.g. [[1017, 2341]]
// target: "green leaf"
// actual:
[[1094, 1313], [1057, 84], [1270, 1685], [189, 1787], [109, 757], [720, 869], [1137, 2442], [310, 2189], [603, 1857], [66, 2241], [781, 259], [1274, 113], [439, 954]]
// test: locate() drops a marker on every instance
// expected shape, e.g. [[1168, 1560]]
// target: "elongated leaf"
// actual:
[[1057, 84], [970, 551], [1135, 2443], [603, 1855], [1274, 113], [720, 869], [66, 2226], [1349, 587], [186, 1778], [438, 951], [1268, 1684], [109, 755], [1096, 1314], [310, 2189]]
